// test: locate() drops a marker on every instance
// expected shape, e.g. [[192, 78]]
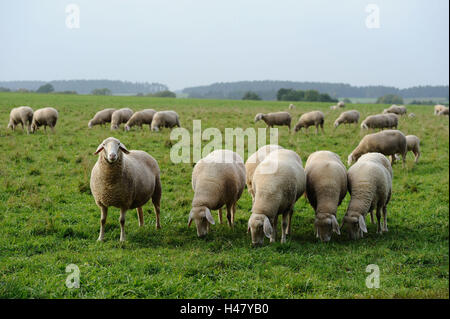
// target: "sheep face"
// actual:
[[202, 217], [90, 124], [355, 225], [258, 117], [298, 127], [259, 225], [34, 127], [350, 159], [111, 149], [325, 227], [127, 128], [336, 124]]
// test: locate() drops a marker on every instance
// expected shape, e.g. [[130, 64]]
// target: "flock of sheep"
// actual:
[[274, 176]]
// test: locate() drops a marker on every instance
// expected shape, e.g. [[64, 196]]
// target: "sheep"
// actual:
[[120, 116], [124, 179], [140, 118], [47, 116], [21, 115], [347, 118], [370, 187], [389, 142], [340, 104], [411, 115], [381, 121], [334, 107], [277, 118], [279, 181], [101, 117], [412, 145], [217, 180], [165, 119], [443, 112], [291, 107], [438, 108], [396, 109], [326, 187], [316, 118], [253, 161]]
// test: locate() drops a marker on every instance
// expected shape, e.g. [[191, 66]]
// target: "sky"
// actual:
[[183, 43]]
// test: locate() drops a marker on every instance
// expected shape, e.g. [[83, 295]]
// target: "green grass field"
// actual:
[[49, 219]]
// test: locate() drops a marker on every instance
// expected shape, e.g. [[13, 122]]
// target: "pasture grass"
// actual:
[[49, 219]]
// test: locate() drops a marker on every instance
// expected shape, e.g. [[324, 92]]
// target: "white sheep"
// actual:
[[381, 121], [347, 117], [47, 116], [443, 112], [101, 117], [217, 180], [326, 187], [291, 107], [278, 182], [340, 104], [438, 108], [120, 116], [253, 161], [316, 118], [396, 109], [126, 180], [21, 115], [412, 145], [411, 115], [370, 187], [165, 119], [140, 118], [277, 118], [389, 142]]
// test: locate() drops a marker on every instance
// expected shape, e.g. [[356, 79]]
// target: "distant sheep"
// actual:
[[126, 180], [279, 181], [291, 107], [370, 187], [47, 116], [443, 112], [381, 121], [438, 108], [101, 117], [411, 115], [316, 118], [278, 118], [326, 187], [140, 118], [120, 116], [340, 104], [167, 119], [217, 180], [389, 142], [347, 117], [21, 115], [413, 145], [396, 109]]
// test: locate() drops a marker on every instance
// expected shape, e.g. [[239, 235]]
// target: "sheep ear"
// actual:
[[190, 219], [99, 149], [267, 228], [124, 149], [335, 225], [209, 216], [362, 223]]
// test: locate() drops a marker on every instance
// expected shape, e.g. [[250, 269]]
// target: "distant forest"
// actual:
[[87, 86], [267, 90]]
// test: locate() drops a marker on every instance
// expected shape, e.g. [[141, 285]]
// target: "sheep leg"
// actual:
[[416, 155], [140, 213], [291, 212], [233, 212], [392, 160], [321, 126], [371, 217], [229, 216], [404, 160], [317, 129], [273, 238], [220, 216], [104, 214], [156, 198], [385, 228], [284, 227], [379, 221], [122, 223]]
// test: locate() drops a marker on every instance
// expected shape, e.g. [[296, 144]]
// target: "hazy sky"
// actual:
[[195, 42]]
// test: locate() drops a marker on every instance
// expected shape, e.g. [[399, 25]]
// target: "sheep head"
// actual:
[[326, 226], [258, 117], [202, 217], [111, 149], [355, 225], [259, 225]]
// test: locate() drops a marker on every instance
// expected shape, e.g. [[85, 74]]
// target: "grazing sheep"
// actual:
[[278, 118], [381, 121], [120, 116], [253, 161], [438, 108], [411, 115], [443, 112], [370, 187], [334, 107], [217, 180], [124, 179], [316, 118], [347, 118], [412, 145], [47, 116], [101, 117], [326, 187], [291, 107], [340, 104], [140, 118], [279, 181], [165, 119], [21, 115], [396, 109], [389, 142]]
